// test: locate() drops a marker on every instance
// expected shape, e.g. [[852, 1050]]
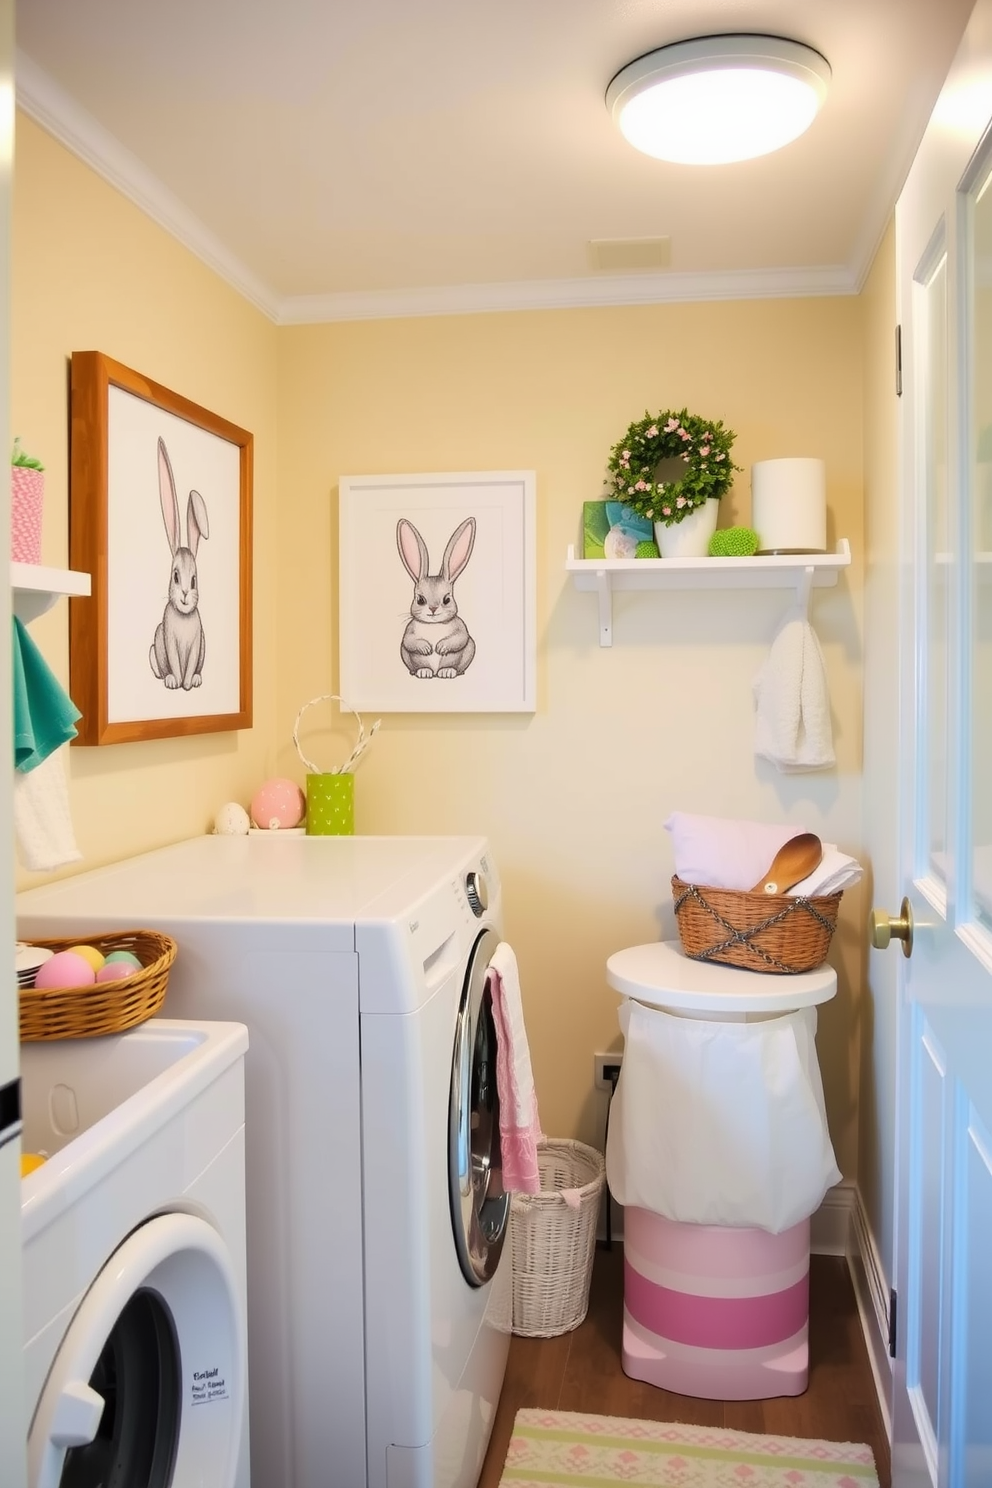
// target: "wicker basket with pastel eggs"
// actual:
[[73, 989]]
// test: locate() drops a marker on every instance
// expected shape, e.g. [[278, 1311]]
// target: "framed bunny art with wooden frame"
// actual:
[[160, 497], [437, 592]]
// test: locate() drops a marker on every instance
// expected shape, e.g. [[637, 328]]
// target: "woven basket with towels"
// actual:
[[721, 917]]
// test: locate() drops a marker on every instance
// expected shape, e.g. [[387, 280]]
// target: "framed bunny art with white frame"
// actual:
[[437, 591], [160, 497]]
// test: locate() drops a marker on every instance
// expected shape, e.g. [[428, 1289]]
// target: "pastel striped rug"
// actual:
[[579, 1451]]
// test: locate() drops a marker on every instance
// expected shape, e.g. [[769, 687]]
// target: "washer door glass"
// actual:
[[147, 1389], [479, 1205]]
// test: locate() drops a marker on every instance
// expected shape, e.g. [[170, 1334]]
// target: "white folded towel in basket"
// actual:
[[725, 853]]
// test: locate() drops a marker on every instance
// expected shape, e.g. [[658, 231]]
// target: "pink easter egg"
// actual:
[[278, 804], [114, 971], [64, 969]]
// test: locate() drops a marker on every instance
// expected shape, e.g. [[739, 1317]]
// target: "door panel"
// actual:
[[975, 1304], [931, 392], [923, 1378], [942, 1421]]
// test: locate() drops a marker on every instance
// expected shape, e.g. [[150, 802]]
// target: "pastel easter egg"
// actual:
[[114, 971], [232, 820], [278, 804], [64, 969], [89, 953], [126, 958]]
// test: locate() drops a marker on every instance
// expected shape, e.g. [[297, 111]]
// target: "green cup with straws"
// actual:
[[331, 793]]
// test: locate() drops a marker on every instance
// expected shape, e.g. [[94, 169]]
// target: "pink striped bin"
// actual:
[[715, 1312]]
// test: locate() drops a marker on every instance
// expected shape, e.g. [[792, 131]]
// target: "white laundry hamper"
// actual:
[[553, 1241]]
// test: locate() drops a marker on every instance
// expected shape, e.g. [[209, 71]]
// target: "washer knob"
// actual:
[[476, 893]]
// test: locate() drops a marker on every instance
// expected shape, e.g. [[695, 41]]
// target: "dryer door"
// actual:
[[147, 1390], [479, 1206]]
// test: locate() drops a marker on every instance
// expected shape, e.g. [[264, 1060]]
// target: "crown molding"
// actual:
[[55, 111], [655, 288], [47, 104]]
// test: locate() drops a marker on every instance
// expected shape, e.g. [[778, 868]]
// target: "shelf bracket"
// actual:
[[605, 591], [803, 588]]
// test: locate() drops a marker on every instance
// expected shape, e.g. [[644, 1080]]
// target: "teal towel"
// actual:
[[44, 713]]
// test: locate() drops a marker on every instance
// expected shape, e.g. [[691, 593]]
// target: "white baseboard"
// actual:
[[830, 1226], [839, 1228], [872, 1293]]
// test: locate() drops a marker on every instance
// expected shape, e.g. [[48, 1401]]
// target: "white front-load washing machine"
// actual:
[[378, 1311], [134, 1275]]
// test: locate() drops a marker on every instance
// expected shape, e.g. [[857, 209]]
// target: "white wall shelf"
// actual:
[[777, 571], [35, 589]]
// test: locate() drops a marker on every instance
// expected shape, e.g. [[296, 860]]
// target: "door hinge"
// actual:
[[893, 1315], [898, 361]]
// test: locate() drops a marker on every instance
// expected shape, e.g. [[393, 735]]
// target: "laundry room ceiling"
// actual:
[[344, 157]]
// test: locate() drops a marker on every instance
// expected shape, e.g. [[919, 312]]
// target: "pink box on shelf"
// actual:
[[27, 498]]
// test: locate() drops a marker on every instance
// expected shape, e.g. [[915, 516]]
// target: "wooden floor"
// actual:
[[580, 1371]]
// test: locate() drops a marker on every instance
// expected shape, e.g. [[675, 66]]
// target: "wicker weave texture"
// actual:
[[777, 933], [103, 1007], [553, 1244]]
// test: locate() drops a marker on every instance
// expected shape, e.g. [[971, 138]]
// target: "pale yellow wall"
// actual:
[[573, 798], [92, 272]]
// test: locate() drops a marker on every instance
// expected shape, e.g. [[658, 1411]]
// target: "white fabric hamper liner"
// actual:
[[720, 1123]]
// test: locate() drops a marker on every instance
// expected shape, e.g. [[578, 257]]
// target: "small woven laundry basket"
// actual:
[[102, 1007], [778, 933], [553, 1242]]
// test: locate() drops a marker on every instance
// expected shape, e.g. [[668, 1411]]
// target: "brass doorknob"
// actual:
[[883, 928]]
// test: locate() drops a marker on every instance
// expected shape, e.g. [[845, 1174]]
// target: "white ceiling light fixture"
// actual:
[[718, 99]]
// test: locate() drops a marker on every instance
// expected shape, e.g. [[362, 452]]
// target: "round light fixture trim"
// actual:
[[718, 99]]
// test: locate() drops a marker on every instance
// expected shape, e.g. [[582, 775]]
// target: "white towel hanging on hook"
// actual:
[[792, 722]]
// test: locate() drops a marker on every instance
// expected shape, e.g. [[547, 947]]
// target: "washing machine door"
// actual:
[[147, 1390], [479, 1206]]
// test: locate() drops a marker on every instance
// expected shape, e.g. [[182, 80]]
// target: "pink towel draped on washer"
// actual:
[[519, 1125]]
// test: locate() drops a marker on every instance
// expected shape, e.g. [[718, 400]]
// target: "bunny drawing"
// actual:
[[179, 647], [436, 642]]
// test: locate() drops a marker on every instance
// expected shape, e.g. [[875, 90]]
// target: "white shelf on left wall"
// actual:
[[35, 589]]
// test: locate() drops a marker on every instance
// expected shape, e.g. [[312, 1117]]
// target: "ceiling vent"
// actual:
[[614, 255]]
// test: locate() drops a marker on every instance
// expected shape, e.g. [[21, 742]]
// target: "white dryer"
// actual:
[[379, 1313], [134, 1276]]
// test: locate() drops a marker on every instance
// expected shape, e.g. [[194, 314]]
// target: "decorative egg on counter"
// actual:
[[64, 969], [278, 804], [232, 820], [114, 971], [124, 958], [89, 953]]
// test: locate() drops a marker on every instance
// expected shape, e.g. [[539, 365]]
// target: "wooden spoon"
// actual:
[[794, 861]]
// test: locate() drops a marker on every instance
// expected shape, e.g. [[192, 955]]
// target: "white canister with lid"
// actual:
[[789, 505]]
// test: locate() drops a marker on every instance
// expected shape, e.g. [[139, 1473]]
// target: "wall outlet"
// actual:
[[606, 1067]]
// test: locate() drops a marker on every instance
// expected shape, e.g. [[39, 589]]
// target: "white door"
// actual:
[[12, 1454], [942, 1408]]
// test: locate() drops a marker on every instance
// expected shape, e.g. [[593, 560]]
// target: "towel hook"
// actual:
[[803, 588]]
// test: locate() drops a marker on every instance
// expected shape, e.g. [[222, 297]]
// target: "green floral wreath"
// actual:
[[704, 446]]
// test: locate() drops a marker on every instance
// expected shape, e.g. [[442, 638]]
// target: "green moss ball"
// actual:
[[733, 542], [647, 549]]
